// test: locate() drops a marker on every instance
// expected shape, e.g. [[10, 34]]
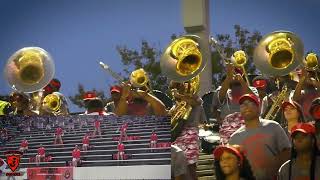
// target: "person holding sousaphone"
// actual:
[[186, 132]]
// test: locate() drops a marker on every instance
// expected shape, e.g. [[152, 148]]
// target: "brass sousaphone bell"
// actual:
[[182, 59], [29, 69], [278, 53]]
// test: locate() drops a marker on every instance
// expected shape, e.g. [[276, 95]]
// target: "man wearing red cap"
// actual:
[[305, 160], [266, 144], [93, 104], [115, 92], [262, 85], [306, 90], [225, 99], [53, 88]]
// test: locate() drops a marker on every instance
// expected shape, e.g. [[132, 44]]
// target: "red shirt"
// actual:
[[76, 153], [123, 128], [24, 143], [120, 147], [85, 140], [97, 123], [58, 131], [154, 137], [41, 151], [137, 109]]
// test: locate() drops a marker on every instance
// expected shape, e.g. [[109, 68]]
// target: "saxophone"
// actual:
[[180, 112], [273, 111]]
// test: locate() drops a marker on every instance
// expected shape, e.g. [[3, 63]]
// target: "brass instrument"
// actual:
[[182, 62], [181, 110], [111, 72], [55, 104], [311, 62], [29, 69], [182, 59], [276, 106], [139, 78], [239, 59], [278, 53]]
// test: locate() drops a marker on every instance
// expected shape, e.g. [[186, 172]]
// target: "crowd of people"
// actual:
[[269, 126]]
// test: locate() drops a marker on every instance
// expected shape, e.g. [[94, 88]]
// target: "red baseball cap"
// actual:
[[90, 96], [115, 89], [260, 83], [250, 97], [232, 149], [305, 128], [286, 103]]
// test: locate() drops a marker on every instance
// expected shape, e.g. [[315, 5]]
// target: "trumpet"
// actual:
[[139, 78], [239, 59], [311, 62], [55, 103]]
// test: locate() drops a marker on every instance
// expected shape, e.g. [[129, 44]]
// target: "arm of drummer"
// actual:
[[121, 108], [297, 92], [226, 83]]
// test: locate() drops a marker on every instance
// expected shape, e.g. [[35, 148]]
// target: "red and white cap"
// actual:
[[90, 96], [305, 128]]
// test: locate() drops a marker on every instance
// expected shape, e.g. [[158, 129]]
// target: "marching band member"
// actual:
[[120, 150], [58, 136], [306, 90], [41, 154], [187, 139], [93, 104], [153, 140], [21, 103], [85, 142], [76, 154], [138, 102], [24, 145]]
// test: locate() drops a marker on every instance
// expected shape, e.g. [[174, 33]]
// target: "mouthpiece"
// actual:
[[104, 66]]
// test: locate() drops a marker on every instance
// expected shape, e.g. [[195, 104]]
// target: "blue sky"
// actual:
[[79, 33]]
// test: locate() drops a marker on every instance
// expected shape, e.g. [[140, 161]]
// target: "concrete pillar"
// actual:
[[196, 21]]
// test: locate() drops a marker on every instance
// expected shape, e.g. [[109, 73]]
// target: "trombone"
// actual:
[[238, 58]]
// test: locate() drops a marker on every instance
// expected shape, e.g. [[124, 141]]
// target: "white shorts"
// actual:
[[85, 144], [75, 159]]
